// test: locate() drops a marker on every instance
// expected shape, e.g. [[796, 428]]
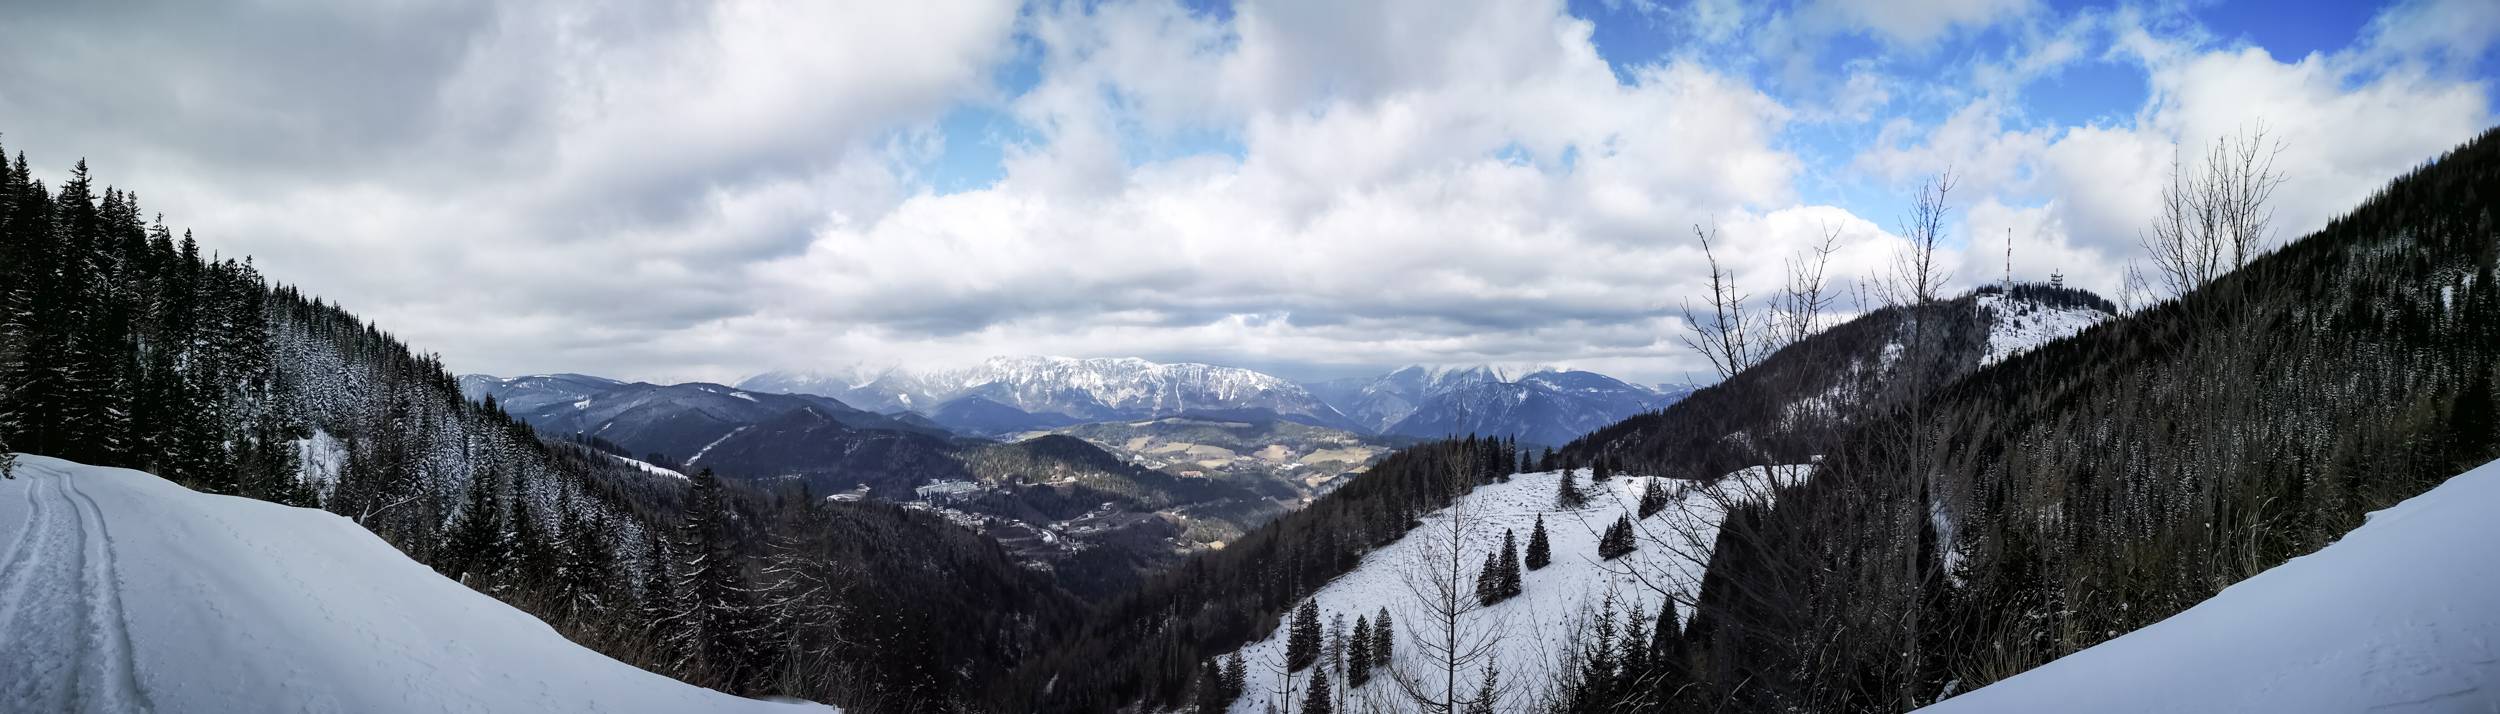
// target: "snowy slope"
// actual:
[[2017, 325], [2401, 615], [120, 591], [1534, 627]]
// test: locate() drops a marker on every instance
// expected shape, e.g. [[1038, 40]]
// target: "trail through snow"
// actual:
[[122, 592]]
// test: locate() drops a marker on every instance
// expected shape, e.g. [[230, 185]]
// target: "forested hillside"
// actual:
[[124, 345], [2102, 483], [1150, 644]]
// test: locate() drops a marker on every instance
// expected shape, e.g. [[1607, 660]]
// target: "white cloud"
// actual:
[[1917, 22]]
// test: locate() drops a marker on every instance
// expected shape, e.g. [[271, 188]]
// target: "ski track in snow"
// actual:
[[65, 540], [123, 592]]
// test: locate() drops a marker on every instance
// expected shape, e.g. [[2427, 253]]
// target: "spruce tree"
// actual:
[[712, 639], [1358, 654], [1540, 552], [1211, 695], [1236, 675], [1567, 495], [1302, 641], [1617, 540], [1653, 499], [1489, 579], [1384, 639], [1318, 700], [1509, 586], [474, 550]]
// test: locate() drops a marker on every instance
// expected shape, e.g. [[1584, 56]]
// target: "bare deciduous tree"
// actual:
[[1735, 337], [1801, 304], [1729, 338], [2214, 219], [1917, 277], [1443, 637]]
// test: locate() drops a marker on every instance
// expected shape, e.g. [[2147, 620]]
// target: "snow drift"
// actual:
[[120, 591], [2401, 615]]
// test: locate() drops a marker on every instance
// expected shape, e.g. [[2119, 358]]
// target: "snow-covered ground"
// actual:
[[2401, 615], [1535, 628], [2022, 325], [122, 592], [649, 468]]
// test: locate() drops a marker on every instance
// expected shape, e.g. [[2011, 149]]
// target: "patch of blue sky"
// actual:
[[973, 154]]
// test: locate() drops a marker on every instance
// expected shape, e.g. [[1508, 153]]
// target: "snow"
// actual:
[[707, 448], [319, 458], [1535, 627], [120, 591], [650, 468], [2401, 615], [2022, 325]]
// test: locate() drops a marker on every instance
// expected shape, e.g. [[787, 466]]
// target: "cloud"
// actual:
[[667, 190], [1916, 23], [2347, 124]]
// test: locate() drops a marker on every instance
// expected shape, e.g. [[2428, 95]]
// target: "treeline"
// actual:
[[121, 345], [1153, 645], [2100, 484]]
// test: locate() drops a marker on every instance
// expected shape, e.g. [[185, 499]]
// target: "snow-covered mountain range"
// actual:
[[1010, 394], [1004, 394], [1543, 406]]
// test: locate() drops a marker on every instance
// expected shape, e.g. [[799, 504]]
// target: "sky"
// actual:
[[680, 191]]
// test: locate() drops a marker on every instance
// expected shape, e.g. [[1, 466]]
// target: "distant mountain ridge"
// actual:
[[1542, 406], [1033, 392], [1006, 395]]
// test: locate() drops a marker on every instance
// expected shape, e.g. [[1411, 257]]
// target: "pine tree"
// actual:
[[712, 641], [1509, 586], [1653, 499], [1568, 495], [1489, 579], [1617, 541], [1598, 662], [1540, 552], [474, 551], [1384, 639], [1236, 675], [1359, 653], [1302, 641], [1318, 700], [587, 565], [1211, 690]]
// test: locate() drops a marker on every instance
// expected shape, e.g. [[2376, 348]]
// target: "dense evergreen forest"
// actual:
[[124, 345]]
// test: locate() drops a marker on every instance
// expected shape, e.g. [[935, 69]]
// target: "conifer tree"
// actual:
[[1358, 654], [1653, 499], [1568, 495], [1302, 641], [1617, 540], [1384, 639], [1540, 552], [474, 551], [1489, 579], [1236, 675], [1318, 700], [1509, 585], [1211, 690]]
